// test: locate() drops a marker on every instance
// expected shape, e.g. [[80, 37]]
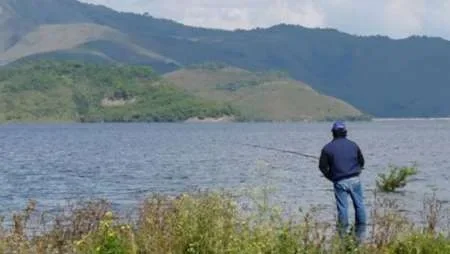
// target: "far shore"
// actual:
[[225, 119], [410, 119]]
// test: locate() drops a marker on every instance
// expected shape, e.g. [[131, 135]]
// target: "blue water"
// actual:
[[125, 163]]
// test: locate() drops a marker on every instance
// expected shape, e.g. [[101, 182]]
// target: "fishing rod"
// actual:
[[283, 151]]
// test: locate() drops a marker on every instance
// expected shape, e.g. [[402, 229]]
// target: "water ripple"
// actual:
[[126, 162]]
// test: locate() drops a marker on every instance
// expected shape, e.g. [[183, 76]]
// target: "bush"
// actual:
[[211, 223], [107, 239], [421, 243], [397, 178]]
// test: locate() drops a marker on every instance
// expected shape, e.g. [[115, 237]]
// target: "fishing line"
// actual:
[[283, 151]]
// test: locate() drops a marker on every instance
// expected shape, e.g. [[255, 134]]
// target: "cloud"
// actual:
[[228, 14], [403, 17], [394, 18]]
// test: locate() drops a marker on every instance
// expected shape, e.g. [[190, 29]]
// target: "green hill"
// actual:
[[56, 91], [33, 91], [376, 74], [261, 96]]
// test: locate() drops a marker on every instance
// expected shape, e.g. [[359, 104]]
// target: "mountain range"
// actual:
[[380, 76]]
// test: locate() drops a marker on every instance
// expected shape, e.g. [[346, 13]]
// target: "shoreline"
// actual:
[[205, 120], [224, 119], [410, 119]]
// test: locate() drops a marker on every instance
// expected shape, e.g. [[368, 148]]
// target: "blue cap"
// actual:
[[338, 125]]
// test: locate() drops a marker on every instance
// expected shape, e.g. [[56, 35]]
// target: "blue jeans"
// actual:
[[350, 187]]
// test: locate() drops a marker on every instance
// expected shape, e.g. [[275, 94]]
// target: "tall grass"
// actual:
[[214, 222]]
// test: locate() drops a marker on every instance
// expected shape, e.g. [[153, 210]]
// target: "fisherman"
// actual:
[[341, 161]]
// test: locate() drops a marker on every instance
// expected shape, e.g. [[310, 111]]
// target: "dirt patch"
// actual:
[[223, 119], [108, 102]]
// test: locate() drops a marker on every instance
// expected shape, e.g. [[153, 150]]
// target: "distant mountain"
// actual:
[[64, 29], [378, 75]]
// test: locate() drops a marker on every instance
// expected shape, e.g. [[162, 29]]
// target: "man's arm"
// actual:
[[324, 164], [360, 158]]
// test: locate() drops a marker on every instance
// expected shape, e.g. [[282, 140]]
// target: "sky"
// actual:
[[393, 18]]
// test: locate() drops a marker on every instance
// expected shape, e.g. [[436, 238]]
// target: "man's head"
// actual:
[[339, 130]]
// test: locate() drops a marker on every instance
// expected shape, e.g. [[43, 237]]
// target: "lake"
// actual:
[[125, 163]]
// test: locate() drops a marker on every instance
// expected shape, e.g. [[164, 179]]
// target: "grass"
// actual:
[[212, 222], [250, 92], [219, 222], [396, 178]]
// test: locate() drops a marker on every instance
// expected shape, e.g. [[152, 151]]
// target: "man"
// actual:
[[341, 162]]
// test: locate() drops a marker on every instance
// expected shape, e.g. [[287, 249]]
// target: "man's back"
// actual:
[[340, 159]]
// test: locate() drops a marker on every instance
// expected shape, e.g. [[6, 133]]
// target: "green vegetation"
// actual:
[[359, 70], [397, 178], [208, 222], [261, 96], [64, 91], [44, 90]]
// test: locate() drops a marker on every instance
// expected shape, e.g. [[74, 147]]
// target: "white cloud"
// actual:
[[395, 18], [404, 17], [228, 14]]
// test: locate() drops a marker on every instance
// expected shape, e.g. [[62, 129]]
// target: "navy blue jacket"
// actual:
[[341, 159]]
